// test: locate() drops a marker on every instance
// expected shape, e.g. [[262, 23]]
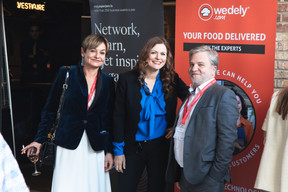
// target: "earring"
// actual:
[[82, 61]]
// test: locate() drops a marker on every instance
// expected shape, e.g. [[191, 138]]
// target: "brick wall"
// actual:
[[281, 49]]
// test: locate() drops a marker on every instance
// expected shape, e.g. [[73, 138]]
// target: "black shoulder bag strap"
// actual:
[[51, 135]]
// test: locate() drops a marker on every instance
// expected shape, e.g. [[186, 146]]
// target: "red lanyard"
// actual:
[[187, 112], [92, 90]]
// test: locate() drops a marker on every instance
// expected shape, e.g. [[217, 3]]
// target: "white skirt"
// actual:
[[81, 169]]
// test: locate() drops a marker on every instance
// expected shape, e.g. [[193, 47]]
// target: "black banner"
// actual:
[[229, 48], [127, 24]]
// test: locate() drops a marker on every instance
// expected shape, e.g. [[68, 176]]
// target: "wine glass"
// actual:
[[33, 157]]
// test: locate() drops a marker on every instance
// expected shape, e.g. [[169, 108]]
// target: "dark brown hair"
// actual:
[[282, 103], [167, 72]]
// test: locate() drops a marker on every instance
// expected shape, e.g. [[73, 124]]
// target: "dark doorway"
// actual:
[[57, 31]]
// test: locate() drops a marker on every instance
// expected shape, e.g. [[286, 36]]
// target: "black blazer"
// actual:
[[127, 107], [75, 118]]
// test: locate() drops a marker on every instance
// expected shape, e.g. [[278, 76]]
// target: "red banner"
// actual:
[[243, 33]]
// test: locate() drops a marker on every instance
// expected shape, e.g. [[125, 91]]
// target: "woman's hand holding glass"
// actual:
[[32, 150]]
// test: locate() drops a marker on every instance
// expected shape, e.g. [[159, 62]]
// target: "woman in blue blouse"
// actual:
[[144, 111]]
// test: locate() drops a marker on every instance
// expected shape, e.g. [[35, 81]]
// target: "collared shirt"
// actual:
[[181, 128], [152, 124], [11, 178]]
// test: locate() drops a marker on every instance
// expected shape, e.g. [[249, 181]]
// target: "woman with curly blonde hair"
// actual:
[[144, 112]]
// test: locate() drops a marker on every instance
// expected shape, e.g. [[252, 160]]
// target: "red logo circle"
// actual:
[[205, 12]]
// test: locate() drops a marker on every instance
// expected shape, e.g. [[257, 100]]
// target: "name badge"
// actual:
[[179, 132]]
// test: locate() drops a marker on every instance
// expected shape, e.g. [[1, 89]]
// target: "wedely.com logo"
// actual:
[[206, 12]]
